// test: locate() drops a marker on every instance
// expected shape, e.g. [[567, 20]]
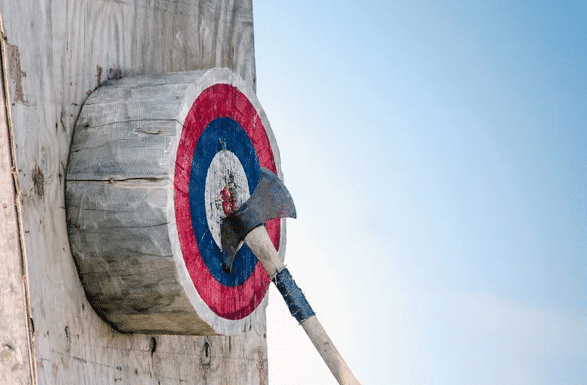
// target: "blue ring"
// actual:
[[221, 134]]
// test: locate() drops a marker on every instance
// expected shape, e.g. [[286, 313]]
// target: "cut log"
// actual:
[[127, 172]]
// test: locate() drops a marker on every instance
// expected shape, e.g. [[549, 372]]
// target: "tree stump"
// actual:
[[156, 162]]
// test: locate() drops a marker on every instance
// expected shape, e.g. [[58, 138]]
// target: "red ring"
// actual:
[[220, 100]]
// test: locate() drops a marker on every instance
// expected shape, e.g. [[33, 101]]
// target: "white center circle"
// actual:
[[226, 187]]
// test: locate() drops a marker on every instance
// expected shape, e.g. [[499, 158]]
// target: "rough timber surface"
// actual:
[[59, 51], [14, 357], [121, 218]]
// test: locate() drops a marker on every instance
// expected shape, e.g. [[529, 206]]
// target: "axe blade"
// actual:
[[269, 200]]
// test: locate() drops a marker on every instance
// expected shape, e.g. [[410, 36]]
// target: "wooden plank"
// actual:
[[62, 50], [14, 341]]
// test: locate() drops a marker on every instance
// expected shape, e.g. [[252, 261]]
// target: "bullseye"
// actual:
[[227, 197], [226, 189]]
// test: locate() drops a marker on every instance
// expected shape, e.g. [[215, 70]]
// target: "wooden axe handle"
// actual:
[[261, 245], [328, 351]]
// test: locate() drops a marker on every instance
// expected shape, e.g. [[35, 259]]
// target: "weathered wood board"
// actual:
[[14, 327], [58, 51]]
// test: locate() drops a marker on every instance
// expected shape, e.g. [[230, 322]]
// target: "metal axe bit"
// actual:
[[272, 200]]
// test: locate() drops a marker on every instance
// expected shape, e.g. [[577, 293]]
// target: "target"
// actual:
[[222, 146], [157, 162]]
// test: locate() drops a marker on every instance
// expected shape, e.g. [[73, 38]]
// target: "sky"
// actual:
[[435, 151]]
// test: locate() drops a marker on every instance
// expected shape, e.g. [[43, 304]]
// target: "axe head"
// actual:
[[269, 200]]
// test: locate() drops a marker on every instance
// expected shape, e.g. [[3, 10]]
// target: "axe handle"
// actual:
[[261, 245], [328, 351]]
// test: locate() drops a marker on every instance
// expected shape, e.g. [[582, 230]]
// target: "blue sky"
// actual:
[[435, 152]]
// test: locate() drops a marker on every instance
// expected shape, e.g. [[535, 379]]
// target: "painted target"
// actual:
[[157, 161], [222, 146]]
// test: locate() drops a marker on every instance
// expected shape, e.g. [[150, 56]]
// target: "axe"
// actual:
[[246, 224]]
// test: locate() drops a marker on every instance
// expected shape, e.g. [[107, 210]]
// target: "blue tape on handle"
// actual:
[[293, 296]]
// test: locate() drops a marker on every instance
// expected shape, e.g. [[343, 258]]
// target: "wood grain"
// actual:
[[120, 206], [15, 361], [62, 50]]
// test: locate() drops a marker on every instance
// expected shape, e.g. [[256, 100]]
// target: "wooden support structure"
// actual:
[[57, 53]]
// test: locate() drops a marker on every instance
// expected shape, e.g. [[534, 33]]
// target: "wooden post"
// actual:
[[58, 52]]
